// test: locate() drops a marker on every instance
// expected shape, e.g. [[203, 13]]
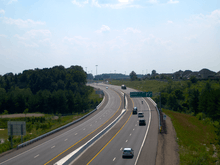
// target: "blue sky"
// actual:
[[119, 36]]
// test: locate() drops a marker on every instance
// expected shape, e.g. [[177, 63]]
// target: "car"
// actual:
[[142, 122], [123, 86], [128, 152], [135, 110], [106, 87], [140, 114]]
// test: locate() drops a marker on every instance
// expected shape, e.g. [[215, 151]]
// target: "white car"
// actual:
[[106, 87], [128, 152], [140, 114]]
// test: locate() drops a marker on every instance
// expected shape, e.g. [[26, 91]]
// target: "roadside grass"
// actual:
[[196, 138], [3, 134], [144, 85]]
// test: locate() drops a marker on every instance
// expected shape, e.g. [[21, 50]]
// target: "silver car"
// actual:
[[140, 114], [128, 152]]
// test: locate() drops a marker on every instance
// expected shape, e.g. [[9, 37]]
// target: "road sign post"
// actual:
[[16, 128]]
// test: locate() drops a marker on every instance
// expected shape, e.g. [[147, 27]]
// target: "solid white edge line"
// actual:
[[145, 134]]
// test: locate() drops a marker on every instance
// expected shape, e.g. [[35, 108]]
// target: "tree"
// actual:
[[133, 76], [194, 100], [25, 112]]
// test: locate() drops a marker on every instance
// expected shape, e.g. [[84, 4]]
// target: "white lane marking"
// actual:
[[65, 139], [64, 159], [126, 141], [53, 147], [114, 159], [133, 129], [75, 133], [130, 134], [145, 134], [36, 156], [120, 149]]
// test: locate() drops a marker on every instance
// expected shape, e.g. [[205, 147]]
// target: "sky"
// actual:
[[110, 36]]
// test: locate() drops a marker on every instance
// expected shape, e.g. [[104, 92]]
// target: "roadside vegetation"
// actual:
[[197, 139], [61, 94], [194, 106], [36, 126]]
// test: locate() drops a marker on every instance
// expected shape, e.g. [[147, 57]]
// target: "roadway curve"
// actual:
[[126, 133], [53, 148]]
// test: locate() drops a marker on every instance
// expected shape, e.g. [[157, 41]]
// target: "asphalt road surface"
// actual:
[[108, 149]]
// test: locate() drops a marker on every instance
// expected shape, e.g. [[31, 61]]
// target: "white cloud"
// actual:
[[79, 40], [11, 1], [104, 29], [130, 29], [169, 22], [2, 35], [115, 4], [80, 4], [172, 1], [34, 38], [190, 38], [123, 1], [34, 33], [158, 41], [153, 1], [207, 21], [22, 23], [2, 11]]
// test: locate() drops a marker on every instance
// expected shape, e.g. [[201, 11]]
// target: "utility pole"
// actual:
[[86, 69], [96, 69]]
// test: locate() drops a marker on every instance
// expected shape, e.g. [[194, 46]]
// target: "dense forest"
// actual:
[[49, 90], [199, 98]]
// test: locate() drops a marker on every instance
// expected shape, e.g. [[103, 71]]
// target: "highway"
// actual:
[[127, 133], [108, 149]]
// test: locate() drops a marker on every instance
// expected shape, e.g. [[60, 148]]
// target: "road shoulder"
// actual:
[[168, 149]]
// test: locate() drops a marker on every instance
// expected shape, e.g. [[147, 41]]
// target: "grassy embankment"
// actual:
[[36, 126], [196, 138]]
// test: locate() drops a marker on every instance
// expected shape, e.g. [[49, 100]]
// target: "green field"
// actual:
[[145, 86], [196, 139]]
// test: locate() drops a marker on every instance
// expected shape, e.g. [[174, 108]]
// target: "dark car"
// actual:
[[142, 122], [123, 87], [135, 110]]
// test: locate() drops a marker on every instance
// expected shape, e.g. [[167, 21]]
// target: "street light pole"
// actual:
[[96, 69]]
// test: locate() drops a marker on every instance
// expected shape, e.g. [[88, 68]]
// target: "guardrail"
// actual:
[[58, 129], [157, 110]]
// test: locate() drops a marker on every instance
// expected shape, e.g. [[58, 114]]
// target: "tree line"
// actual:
[[49, 90], [199, 98], [192, 96]]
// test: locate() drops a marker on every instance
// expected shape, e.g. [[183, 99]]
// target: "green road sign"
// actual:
[[140, 94]]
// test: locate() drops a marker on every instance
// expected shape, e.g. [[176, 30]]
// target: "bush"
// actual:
[[200, 116]]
